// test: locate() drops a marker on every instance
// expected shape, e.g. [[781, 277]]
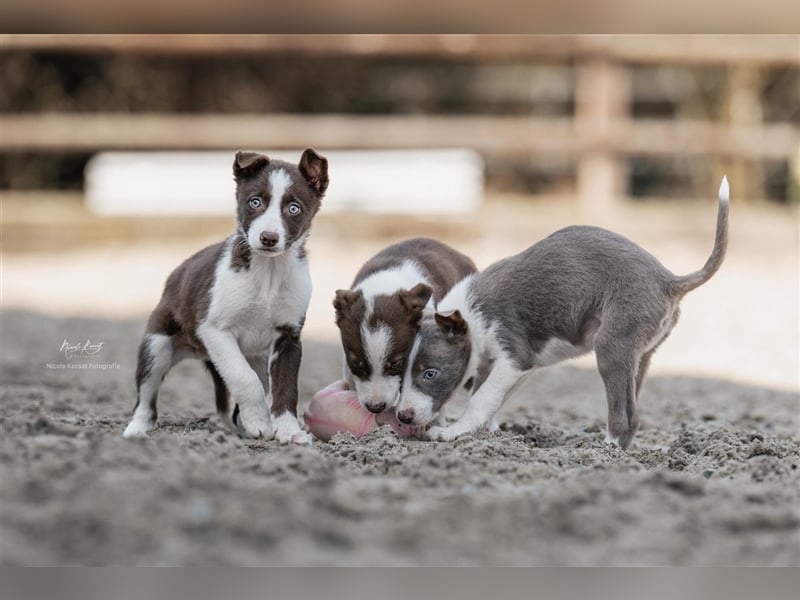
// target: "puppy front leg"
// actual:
[[241, 380], [284, 369], [483, 405]]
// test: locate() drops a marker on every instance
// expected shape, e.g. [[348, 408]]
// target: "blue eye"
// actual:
[[294, 208], [430, 374], [254, 202]]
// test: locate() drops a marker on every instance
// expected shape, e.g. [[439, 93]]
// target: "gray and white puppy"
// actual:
[[580, 289]]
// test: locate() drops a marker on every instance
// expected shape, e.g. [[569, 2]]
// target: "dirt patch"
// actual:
[[712, 477]]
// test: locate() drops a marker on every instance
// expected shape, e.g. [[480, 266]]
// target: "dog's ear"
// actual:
[[314, 169], [246, 164], [343, 300], [415, 299], [452, 323]]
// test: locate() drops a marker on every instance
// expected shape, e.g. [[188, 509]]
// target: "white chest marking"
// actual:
[[251, 303]]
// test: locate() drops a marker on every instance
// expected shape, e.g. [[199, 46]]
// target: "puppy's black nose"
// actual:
[[376, 408], [406, 416], [268, 238]]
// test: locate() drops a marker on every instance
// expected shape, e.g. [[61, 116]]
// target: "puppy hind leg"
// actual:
[[644, 364], [651, 348], [618, 366], [155, 360]]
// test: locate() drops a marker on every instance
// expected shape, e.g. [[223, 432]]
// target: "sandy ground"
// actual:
[[712, 477]]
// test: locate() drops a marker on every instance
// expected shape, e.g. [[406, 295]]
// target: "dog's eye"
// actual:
[[356, 363], [255, 202], [394, 367], [430, 374], [294, 208]]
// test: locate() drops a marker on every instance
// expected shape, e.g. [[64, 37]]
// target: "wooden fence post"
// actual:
[[743, 108], [602, 98]]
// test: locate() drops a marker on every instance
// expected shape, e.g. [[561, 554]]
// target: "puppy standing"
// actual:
[[581, 288], [240, 304], [379, 317]]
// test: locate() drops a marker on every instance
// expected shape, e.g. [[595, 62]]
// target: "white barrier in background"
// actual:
[[201, 183]]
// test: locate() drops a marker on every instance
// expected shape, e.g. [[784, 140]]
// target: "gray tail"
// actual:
[[685, 284]]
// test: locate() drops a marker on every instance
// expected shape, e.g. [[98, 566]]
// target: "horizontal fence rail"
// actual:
[[110, 131], [683, 49]]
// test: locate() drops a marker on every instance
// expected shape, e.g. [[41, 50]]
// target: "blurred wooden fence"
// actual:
[[601, 134]]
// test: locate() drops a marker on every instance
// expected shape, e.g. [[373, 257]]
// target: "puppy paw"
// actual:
[[302, 438], [250, 425], [288, 431], [138, 428], [620, 440], [442, 434]]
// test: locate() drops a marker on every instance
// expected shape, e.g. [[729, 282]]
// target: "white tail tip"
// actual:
[[724, 190]]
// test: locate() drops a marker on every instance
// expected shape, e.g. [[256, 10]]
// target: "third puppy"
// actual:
[[580, 289]]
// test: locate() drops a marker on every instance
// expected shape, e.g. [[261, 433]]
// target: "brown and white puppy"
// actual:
[[580, 289], [240, 305], [379, 316]]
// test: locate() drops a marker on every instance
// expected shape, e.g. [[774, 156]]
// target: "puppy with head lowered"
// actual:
[[240, 305], [379, 316], [580, 289]]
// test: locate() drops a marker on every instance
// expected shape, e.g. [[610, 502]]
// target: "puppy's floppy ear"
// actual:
[[314, 169], [343, 300], [452, 323], [415, 299], [247, 164]]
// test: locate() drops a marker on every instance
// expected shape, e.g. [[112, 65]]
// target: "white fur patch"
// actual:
[[458, 298], [724, 190], [378, 389], [139, 426], [251, 303], [613, 441], [279, 183], [287, 430], [376, 345], [421, 405], [408, 378], [389, 281]]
